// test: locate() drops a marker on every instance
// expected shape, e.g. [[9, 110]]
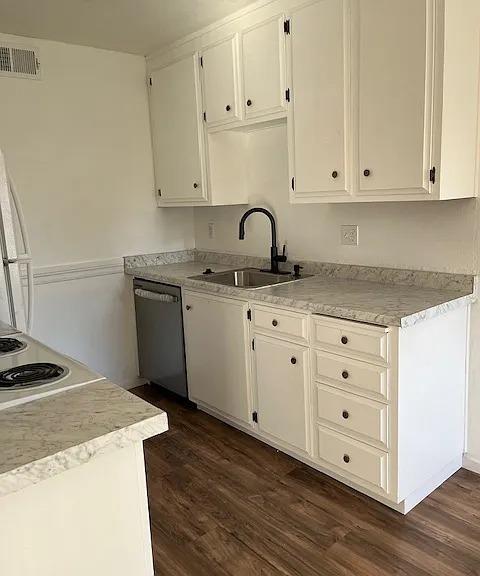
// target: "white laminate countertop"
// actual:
[[373, 302], [45, 437]]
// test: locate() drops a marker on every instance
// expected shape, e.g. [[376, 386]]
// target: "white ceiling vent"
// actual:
[[19, 61]]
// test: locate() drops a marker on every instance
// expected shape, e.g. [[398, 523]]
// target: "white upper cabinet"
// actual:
[[263, 68], [319, 109], [385, 97], [177, 133], [381, 100], [221, 82], [395, 56]]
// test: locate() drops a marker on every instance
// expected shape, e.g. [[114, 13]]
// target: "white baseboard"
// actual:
[[416, 497], [133, 383], [471, 464]]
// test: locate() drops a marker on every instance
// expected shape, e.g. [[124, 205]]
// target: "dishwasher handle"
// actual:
[[157, 296]]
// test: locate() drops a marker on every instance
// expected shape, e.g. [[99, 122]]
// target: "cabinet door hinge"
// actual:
[[293, 183], [204, 116], [255, 416], [286, 26], [433, 173], [253, 344], [287, 94], [201, 61], [249, 315]]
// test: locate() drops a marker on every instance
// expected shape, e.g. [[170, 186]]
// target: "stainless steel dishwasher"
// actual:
[[161, 348]]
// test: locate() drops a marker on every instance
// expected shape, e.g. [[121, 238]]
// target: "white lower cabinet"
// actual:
[[378, 408], [216, 348], [282, 390]]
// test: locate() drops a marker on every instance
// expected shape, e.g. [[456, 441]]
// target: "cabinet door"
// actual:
[[177, 133], [220, 81], [282, 386], [263, 57], [319, 110], [395, 53], [216, 344]]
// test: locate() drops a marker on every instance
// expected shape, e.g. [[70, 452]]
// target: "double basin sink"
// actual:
[[248, 278]]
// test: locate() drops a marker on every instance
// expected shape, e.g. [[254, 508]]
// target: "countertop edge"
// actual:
[[438, 310], [54, 464]]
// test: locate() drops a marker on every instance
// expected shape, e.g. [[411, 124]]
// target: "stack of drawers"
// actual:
[[352, 396]]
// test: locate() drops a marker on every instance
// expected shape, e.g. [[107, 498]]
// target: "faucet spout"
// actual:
[[267, 213]]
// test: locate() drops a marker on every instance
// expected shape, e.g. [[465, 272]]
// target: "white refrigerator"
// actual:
[[16, 274]]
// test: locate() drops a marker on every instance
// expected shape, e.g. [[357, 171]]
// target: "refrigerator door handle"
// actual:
[[26, 257]]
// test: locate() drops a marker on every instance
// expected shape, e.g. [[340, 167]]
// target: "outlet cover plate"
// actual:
[[211, 230], [349, 234]]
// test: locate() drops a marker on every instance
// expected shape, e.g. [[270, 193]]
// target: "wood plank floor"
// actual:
[[223, 503]]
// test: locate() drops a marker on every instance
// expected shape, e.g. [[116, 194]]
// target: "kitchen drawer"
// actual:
[[353, 415], [352, 339], [281, 323], [352, 375], [355, 459]]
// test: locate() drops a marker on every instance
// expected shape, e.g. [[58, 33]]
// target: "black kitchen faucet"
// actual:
[[274, 256]]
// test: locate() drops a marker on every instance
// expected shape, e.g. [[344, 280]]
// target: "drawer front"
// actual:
[[354, 415], [281, 323], [352, 375], [355, 459], [351, 339]]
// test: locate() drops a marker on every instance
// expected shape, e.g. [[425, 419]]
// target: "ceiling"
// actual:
[[137, 26]]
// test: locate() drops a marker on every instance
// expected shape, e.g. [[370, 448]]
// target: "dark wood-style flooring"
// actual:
[[223, 503]]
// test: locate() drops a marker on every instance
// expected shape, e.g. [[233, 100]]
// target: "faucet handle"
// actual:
[[283, 257], [296, 270]]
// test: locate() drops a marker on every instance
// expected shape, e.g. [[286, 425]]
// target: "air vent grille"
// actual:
[[5, 60], [19, 62]]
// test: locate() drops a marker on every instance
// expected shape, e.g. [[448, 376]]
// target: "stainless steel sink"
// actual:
[[250, 278]]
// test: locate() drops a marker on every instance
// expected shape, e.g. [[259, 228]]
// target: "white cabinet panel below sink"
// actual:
[[217, 355]]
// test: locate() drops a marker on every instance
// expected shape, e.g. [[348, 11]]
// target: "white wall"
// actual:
[[78, 145], [432, 236], [91, 319]]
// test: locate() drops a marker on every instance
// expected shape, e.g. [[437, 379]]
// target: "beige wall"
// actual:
[[78, 145]]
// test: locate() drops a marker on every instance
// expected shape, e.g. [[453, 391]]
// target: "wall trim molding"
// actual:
[[77, 270], [471, 464]]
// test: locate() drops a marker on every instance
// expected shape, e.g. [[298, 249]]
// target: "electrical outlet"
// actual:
[[349, 234], [211, 230]]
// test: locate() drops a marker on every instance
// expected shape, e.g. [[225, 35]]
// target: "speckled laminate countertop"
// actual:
[[45, 437], [381, 303]]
